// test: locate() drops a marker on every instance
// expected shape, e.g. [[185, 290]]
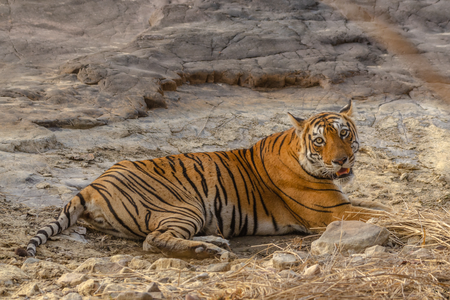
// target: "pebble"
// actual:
[[165, 263], [284, 260], [88, 287], [72, 296], [312, 270], [220, 267]]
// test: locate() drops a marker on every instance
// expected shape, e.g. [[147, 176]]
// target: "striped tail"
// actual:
[[68, 217]]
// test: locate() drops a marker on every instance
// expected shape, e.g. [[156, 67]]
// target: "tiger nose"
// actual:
[[340, 161]]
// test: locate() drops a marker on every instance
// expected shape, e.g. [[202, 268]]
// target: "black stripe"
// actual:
[[233, 221], [34, 242], [333, 206], [101, 190], [218, 210], [82, 201], [275, 224], [57, 224]]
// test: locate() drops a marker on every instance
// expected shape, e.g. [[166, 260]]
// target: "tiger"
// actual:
[[288, 182]]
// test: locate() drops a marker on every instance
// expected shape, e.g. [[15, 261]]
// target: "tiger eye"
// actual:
[[319, 140], [344, 132]]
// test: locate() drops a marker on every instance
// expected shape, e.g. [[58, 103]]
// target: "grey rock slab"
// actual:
[[110, 65], [349, 237]]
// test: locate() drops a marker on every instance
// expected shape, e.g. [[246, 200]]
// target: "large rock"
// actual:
[[349, 237], [122, 67]]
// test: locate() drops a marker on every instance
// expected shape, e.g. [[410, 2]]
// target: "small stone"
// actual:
[[267, 264], [313, 270], [31, 260], [29, 290], [153, 288], [130, 295], [154, 291], [404, 176], [165, 263], [126, 270], [72, 296], [43, 185], [113, 290], [303, 255], [49, 296], [99, 265], [42, 269], [349, 237], [288, 274], [137, 263], [122, 260], [228, 256], [192, 297], [88, 287], [358, 258], [408, 249], [284, 260], [71, 279], [221, 267], [415, 240], [168, 85], [374, 250], [239, 266], [423, 254]]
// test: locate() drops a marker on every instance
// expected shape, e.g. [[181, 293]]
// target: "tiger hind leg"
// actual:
[[169, 242]]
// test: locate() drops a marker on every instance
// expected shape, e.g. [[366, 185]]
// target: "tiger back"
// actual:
[[287, 182]]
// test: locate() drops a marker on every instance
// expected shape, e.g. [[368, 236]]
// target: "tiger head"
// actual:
[[328, 143]]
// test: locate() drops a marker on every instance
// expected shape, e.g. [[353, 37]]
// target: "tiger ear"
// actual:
[[348, 110], [297, 122]]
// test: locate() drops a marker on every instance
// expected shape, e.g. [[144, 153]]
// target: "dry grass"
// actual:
[[400, 273]]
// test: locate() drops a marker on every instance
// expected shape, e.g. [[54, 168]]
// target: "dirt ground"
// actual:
[[409, 177]]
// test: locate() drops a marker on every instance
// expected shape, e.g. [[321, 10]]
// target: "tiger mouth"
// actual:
[[344, 172]]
